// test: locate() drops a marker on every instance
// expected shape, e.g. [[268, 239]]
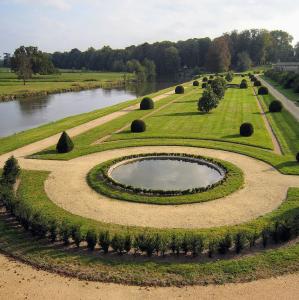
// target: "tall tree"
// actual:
[[218, 57], [244, 61]]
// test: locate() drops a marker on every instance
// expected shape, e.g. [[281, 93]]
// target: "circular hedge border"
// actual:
[[101, 182]]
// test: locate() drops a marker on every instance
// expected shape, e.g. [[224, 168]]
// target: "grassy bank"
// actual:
[[11, 87]]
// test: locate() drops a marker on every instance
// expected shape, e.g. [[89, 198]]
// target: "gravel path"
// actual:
[[19, 281], [288, 104]]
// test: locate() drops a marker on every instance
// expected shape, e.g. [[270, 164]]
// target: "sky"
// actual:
[[59, 25]]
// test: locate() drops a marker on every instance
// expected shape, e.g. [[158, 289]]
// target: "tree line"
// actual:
[[235, 50]]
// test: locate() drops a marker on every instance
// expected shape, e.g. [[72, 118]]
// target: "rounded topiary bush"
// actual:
[[195, 83], [204, 85], [297, 157], [210, 81], [257, 83], [179, 89], [64, 144], [275, 106], [205, 79], [146, 103], [138, 126], [211, 77], [263, 91], [246, 129], [243, 84]]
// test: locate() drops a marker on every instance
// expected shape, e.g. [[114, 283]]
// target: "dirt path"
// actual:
[[19, 281], [288, 104], [265, 189], [275, 142]]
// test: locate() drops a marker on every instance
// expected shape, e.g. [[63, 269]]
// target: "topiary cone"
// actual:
[[64, 144]]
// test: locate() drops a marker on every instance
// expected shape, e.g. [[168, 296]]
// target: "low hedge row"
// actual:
[[55, 227], [103, 174], [44, 219], [100, 181]]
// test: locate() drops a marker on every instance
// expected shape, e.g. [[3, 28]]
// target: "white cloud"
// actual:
[[59, 4]]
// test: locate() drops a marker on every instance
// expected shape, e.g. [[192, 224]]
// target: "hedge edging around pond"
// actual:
[[44, 219], [99, 179]]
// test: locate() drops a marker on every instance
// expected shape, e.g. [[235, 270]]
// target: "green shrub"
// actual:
[[229, 77], [205, 79], [11, 171], [53, 229], [175, 244], [147, 103], [195, 83], [138, 126], [244, 84], [150, 244], [139, 242], [252, 238], [196, 244], [257, 83], [208, 101], [225, 244], [263, 91], [218, 86], [76, 234], [240, 242], [64, 144], [65, 232], [275, 106], [91, 239], [179, 89], [246, 129], [186, 243], [265, 237], [104, 241], [204, 85], [297, 157], [118, 243], [128, 243], [212, 248], [211, 77]]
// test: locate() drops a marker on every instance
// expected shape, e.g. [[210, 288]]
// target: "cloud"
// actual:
[[58, 4]]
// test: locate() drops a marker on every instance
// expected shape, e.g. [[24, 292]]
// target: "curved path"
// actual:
[[287, 103], [264, 190], [34, 285]]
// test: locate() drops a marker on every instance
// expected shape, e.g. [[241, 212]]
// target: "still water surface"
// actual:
[[167, 174], [26, 113]]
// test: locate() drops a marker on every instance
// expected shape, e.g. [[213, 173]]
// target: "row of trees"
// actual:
[[237, 50]]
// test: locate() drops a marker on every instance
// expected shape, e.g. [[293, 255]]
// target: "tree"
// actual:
[[150, 69], [11, 171], [229, 77], [244, 62], [218, 57], [218, 86], [208, 101]]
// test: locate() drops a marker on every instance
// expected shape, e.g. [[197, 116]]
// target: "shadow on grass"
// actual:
[[288, 164], [231, 136], [182, 114]]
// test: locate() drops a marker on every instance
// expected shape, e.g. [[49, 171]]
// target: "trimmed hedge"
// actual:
[[147, 103], [179, 89], [244, 85], [195, 83], [263, 90], [204, 85], [64, 144], [246, 129], [257, 83], [205, 79], [36, 213], [138, 126], [275, 106]]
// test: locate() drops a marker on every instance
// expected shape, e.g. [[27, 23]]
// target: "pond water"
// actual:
[[167, 173], [22, 114]]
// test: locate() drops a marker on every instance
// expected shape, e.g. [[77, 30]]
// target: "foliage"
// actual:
[[208, 101], [179, 89], [246, 129], [244, 61], [65, 144], [146, 103], [297, 157], [257, 83], [229, 77], [195, 83], [11, 171], [244, 84], [263, 90], [91, 239], [275, 106], [138, 126], [218, 86], [204, 85]]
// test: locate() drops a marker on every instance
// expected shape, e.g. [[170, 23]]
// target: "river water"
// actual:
[[22, 114]]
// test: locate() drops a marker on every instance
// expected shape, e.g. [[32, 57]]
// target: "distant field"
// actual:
[[11, 86]]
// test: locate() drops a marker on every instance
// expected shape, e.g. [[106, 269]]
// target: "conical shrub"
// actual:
[[64, 144]]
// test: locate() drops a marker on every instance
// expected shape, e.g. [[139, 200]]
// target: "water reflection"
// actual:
[[166, 174], [22, 114]]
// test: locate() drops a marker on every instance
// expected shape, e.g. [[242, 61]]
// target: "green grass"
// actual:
[[289, 93], [10, 86], [233, 182]]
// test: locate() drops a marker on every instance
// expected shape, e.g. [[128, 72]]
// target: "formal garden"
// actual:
[[122, 201]]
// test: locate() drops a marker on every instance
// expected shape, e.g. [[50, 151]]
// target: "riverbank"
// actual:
[[41, 85]]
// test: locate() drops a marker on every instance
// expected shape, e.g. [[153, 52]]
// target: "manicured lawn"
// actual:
[[182, 120]]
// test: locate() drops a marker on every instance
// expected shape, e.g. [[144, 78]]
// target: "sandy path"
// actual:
[[288, 104], [265, 189], [19, 281], [275, 142]]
